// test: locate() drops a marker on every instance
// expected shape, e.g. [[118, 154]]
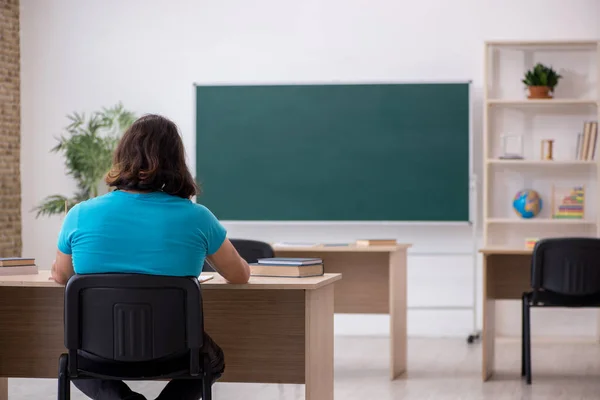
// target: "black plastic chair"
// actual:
[[252, 250], [133, 327], [249, 250], [565, 272]]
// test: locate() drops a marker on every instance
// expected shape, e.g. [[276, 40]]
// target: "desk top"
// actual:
[[350, 248], [506, 251], [42, 279]]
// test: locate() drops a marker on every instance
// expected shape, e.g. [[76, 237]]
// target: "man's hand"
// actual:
[[53, 271], [62, 268]]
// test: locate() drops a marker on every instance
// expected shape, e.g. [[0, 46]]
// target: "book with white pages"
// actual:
[[289, 261], [19, 270], [296, 244]]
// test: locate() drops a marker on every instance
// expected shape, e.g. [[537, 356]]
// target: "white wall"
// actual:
[[79, 56]]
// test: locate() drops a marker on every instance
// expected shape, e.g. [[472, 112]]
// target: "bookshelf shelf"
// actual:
[[564, 120], [572, 45], [542, 102], [540, 221]]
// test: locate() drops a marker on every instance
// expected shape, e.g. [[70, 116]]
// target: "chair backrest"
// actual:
[[252, 250], [567, 266], [249, 250], [133, 318]]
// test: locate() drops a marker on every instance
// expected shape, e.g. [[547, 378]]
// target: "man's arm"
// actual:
[[62, 268], [227, 262]]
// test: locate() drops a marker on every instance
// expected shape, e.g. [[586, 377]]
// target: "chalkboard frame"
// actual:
[[472, 178]]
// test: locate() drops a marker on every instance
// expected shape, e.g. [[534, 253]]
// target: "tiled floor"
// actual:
[[445, 369]]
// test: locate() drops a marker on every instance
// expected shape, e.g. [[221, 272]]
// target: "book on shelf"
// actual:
[[287, 267], [16, 262], [530, 243], [587, 142], [594, 140], [376, 242]]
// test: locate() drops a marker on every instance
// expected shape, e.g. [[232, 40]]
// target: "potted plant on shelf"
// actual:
[[541, 81], [88, 148]]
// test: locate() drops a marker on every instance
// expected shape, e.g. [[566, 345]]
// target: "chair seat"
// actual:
[[547, 298], [91, 366]]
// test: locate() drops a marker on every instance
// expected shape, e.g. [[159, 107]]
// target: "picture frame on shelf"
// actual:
[[512, 147], [568, 202]]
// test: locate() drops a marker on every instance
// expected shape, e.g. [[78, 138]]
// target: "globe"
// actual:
[[527, 203]]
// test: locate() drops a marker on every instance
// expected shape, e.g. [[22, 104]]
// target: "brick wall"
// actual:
[[10, 130]]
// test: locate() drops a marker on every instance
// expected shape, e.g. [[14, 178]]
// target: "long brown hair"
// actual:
[[151, 157]]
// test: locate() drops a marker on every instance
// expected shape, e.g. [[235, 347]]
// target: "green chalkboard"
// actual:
[[352, 152]]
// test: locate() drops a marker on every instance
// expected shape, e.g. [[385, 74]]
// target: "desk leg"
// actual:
[[319, 344], [398, 313], [3, 388], [489, 324], [488, 338], [598, 330]]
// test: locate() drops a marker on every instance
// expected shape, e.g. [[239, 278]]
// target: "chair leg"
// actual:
[[64, 383], [206, 389], [527, 341], [523, 300], [206, 380]]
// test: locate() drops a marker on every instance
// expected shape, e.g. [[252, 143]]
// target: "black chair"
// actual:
[[565, 272], [249, 250], [133, 327], [252, 250]]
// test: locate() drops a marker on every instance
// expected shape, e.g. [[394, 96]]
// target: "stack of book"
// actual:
[[530, 243], [287, 267], [586, 141], [18, 266]]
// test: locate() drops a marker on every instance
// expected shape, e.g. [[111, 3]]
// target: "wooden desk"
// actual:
[[506, 276], [272, 330], [374, 283]]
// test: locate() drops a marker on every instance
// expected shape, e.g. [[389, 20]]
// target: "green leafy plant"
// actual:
[[541, 75], [88, 147]]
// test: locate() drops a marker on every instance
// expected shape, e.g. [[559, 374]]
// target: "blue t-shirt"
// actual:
[[151, 233]]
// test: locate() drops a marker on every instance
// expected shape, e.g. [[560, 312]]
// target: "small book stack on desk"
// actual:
[[376, 242], [18, 266], [287, 267]]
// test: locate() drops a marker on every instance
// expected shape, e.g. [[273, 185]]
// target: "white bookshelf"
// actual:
[[507, 111]]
